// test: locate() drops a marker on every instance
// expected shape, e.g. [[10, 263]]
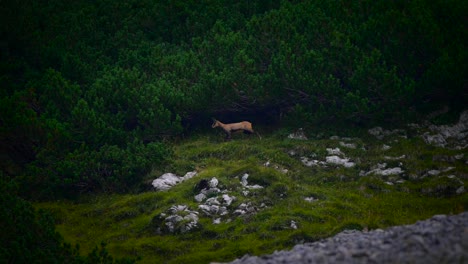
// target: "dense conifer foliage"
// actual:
[[91, 90]]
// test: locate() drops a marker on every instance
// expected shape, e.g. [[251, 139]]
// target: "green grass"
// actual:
[[345, 199]]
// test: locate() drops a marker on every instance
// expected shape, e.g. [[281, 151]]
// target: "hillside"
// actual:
[[270, 194], [105, 103]]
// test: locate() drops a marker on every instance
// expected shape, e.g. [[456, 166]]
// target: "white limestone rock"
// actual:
[[169, 180], [310, 199], [311, 162], [213, 183], [299, 135], [181, 219], [166, 181], [348, 145], [246, 185], [335, 151], [340, 161], [392, 171], [200, 197]]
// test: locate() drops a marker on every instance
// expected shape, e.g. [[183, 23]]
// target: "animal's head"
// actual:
[[215, 123]]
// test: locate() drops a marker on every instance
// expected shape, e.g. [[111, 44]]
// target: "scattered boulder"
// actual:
[[381, 169], [436, 140], [334, 159], [340, 161], [311, 199], [169, 180], [310, 162], [458, 131], [380, 133], [348, 145], [395, 158], [299, 134], [247, 208], [386, 147], [277, 167], [293, 224], [200, 197], [246, 185], [213, 182], [376, 132], [166, 181], [177, 219], [219, 206], [391, 171], [206, 188], [443, 186], [334, 151]]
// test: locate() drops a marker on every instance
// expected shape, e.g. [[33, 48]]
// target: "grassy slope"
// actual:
[[345, 199]]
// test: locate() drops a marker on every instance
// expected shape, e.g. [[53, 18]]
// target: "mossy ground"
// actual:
[[345, 200]]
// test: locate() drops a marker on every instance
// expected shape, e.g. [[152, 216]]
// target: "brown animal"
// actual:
[[244, 126]]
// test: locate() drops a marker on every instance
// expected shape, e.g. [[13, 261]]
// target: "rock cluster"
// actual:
[[214, 202], [177, 219], [335, 157], [458, 132], [299, 134], [440, 239], [380, 133], [392, 170], [217, 205], [381, 169]]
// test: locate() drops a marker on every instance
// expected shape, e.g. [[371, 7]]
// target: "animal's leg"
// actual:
[[248, 131], [228, 136]]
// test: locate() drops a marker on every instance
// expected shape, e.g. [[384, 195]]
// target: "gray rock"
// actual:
[[310, 199], [458, 131], [381, 169], [200, 197], [376, 131], [380, 133], [436, 140], [299, 134], [168, 180], [213, 182], [311, 162], [335, 151], [441, 239], [180, 220], [246, 185], [340, 161], [395, 158], [348, 145]]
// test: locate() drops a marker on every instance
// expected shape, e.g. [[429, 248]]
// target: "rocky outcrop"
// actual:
[[168, 180], [213, 201], [453, 136], [458, 132], [177, 219], [391, 169], [299, 135], [440, 239], [335, 157]]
